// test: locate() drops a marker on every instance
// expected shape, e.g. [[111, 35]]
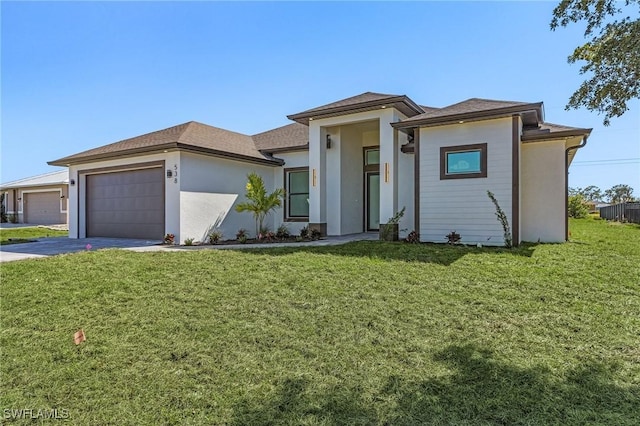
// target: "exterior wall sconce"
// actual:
[[313, 178], [62, 196], [386, 172], [19, 198], [72, 182], [328, 141], [169, 174]]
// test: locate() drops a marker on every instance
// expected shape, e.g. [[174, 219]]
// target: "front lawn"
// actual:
[[366, 333], [25, 235]]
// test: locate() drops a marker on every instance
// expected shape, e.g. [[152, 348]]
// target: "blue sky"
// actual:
[[78, 75]]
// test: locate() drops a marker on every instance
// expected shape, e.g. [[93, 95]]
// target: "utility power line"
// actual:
[[611, 162]]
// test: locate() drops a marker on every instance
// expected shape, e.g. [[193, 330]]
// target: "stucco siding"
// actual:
[[77, 195], [543, 191], [210, 188], [333, 179], [462, 205], [16, 198], [291, 160], [351, 181]]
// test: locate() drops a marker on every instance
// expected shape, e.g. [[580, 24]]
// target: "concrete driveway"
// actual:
[[59, 245]]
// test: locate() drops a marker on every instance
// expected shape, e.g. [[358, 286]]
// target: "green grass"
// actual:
[[366, 333], [25, 235]]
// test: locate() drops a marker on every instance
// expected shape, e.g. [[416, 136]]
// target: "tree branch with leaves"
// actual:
[[611, 54]]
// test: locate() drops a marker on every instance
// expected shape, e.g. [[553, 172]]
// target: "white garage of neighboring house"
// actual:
[[38, 200]]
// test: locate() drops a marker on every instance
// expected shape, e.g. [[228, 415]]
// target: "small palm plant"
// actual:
[[259, 202]]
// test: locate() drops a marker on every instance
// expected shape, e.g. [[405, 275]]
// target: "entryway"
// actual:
[[372, 188]]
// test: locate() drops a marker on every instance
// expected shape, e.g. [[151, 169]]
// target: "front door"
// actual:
[[372, 188], [373, 200]]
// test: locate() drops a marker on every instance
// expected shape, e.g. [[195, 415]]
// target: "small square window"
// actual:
[[463, 161]]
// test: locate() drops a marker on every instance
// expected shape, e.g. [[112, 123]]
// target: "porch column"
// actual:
[[317, 178], [388, 168]]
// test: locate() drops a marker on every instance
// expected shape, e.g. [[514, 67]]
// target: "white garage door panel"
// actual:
[[42, 208], [128, 204]]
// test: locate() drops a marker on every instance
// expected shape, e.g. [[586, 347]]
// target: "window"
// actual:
[[371, 156], [463, 161], [297, 188]]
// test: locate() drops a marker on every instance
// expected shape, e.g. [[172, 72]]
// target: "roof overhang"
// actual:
[[401, 103], [546, 135], [173, 146], [532, 114], [304, 147]]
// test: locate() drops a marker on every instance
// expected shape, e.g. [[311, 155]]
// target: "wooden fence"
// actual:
[[624, 212]]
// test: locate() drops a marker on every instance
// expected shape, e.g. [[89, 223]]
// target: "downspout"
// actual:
[[566, 184]]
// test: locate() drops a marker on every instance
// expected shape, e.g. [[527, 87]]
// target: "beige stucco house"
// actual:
[[39, 200], [347, 167]]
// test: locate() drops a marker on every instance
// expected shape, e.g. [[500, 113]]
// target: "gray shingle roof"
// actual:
[[364, 102], [191, 136], [354, 100], [468, 106], [550, 131], [473, 108], [291, 136]]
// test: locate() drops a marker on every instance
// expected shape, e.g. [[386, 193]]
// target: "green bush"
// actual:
[[578, 207]]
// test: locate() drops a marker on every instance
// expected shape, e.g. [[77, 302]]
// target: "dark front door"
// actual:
[[372, 184]]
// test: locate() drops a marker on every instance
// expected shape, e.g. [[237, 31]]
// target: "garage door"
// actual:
[[128, 204], [42, 208]]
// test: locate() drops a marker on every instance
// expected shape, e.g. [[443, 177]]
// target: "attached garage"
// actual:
[[41, 208], [126, 204]]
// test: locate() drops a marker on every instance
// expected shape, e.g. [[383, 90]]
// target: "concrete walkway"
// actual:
[[58, 245]]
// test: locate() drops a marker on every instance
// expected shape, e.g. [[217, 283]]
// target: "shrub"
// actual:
[[453, 237], [304, 233], [241, 235], [3, 213], [283, 232], [169, 239], [502, 218], [315, 234], [215, 236], [388, 230], [578, 207], [188, 242], [412, 238]]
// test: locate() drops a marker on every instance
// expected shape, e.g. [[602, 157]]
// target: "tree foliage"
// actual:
[[612, 53], [259, 202], [577, 207], [616, 194], [619, 194]]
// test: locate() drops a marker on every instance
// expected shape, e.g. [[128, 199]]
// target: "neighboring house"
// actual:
[[40, 200], [346, 167]]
